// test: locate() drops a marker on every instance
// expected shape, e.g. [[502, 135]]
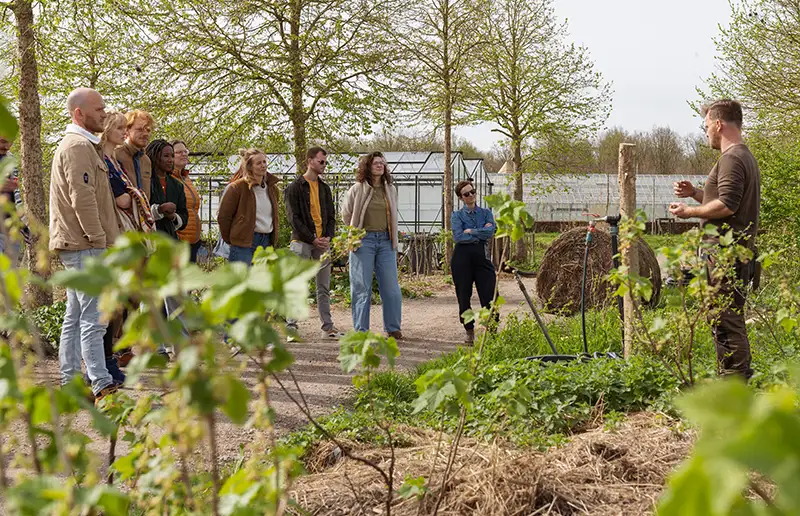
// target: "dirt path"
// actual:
[[431, 328]]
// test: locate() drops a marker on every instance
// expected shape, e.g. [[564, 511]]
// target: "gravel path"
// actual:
[[431, 328]]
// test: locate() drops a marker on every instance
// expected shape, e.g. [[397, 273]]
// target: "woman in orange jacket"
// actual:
[[193, 230]]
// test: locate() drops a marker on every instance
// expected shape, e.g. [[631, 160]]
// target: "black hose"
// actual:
[[583, 291]]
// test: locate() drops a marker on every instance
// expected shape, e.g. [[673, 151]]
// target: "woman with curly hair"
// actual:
[[371, 204], [166, 193]]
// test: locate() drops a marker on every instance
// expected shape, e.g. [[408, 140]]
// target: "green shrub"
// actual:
[[49, 320]]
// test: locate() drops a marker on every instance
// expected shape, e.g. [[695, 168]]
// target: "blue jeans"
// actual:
[[375, 255], [82, 332], [245, 254]]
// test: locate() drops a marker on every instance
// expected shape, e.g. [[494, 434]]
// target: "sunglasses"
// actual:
[[468, 194]]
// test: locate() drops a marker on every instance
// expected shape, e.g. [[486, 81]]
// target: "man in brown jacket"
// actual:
[[132, 154], [83, 223]]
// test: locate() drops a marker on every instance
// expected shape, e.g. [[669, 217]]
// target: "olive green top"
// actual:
[[376, 218]]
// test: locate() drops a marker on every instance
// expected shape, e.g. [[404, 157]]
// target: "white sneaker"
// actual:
[[292, 338], [333, 333]]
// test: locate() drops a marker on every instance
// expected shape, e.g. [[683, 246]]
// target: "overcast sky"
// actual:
[[655, 53]]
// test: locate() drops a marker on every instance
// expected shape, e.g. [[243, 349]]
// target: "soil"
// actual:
[[430, 327]]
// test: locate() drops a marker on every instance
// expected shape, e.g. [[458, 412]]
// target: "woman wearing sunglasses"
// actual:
[[472, 226]]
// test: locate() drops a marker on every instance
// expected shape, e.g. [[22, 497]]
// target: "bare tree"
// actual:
[[533, 84]]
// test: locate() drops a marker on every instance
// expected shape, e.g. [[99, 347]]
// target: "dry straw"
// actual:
[[598, 472], [558, 280]]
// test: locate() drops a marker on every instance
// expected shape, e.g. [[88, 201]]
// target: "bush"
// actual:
[[49, 320]]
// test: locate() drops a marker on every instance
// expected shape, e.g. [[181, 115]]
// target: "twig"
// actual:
[[451, 459], [327, 434], [3, 479], [212, 439], [112, 446], [187, 481]]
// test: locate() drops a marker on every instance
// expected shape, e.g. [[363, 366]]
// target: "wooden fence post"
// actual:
[[627, 208]]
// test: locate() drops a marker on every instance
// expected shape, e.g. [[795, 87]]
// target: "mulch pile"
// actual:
[[558, 280], [598, 472]]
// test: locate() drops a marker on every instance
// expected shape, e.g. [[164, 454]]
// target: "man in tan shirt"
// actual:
[[83, 223], [132, 155], [731, 197]]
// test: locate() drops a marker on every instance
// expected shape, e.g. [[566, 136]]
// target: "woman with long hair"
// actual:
[[248, 211], [168, 206], [166, 193], [371, 204], [193, 231]]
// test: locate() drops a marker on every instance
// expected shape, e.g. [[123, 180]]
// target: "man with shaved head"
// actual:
[[83, 223]]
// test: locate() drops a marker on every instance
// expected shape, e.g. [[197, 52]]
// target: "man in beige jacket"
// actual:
[[83, 223]]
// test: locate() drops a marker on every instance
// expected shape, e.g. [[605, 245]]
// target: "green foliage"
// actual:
[[511, 217], [48, 319], [746, 440], [154, 472]]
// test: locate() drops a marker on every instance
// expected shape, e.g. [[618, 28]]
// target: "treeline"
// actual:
[[659, 151]]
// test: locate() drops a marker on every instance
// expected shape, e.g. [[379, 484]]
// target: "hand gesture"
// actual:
[[683, 189], [680, 210], [322, 243]]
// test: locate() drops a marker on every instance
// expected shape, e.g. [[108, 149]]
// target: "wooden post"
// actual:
[[627, 208]]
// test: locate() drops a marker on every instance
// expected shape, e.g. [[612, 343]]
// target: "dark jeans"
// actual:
[[729, 328], [470, 265], [194, 248]]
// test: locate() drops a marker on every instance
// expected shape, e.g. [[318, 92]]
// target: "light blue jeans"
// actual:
[[82, 332], [375, 255]]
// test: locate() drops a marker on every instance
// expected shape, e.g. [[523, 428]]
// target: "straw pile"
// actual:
[[597, 472], [558, 280]]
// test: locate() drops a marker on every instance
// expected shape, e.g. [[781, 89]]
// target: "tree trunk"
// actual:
[[447, 180], [298, 112], [519, 251], [627, 208], [30, 129]]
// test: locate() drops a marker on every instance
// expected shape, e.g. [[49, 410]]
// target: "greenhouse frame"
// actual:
[[417, 176]]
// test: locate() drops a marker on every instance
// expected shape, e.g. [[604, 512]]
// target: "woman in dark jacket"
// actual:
[[166, 193], [168, 206]]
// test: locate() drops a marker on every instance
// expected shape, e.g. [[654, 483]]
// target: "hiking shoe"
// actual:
[[470, 338], [111, 389], [333, 333], [124, 357], [398, 335], [113, 369]]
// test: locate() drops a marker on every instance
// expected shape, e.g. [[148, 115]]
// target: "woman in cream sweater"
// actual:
[[371, 204]]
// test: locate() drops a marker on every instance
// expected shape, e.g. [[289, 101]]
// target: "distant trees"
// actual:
[[534, 84]]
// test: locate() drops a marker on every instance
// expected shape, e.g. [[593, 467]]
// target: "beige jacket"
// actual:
[[82, 212], [124, 154], [356, 203]]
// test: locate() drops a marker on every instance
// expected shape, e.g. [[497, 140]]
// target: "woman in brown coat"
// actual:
[[248, 212]]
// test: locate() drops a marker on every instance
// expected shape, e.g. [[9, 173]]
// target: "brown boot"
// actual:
[[111, 389], [470, 338], [124, 356], [398, 335]]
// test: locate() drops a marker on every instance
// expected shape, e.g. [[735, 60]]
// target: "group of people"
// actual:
[[121, 181], [100, 187]]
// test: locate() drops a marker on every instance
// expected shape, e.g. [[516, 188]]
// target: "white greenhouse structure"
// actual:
[[417, 176]]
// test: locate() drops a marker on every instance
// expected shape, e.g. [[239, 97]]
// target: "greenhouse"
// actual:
[[567, 197], [417, 175]]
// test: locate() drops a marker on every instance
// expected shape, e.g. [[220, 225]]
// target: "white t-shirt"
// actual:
[[263, 210]]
